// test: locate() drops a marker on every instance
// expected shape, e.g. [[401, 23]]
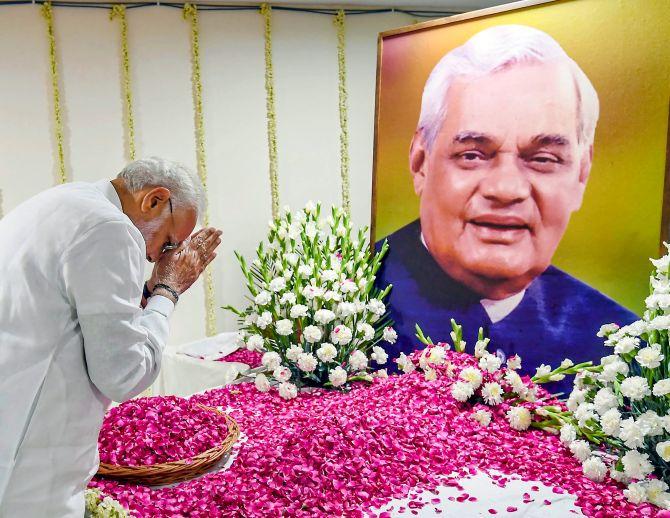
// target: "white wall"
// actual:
[[305, 65]]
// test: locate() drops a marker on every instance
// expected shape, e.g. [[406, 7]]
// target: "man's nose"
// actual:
[[506, 182]]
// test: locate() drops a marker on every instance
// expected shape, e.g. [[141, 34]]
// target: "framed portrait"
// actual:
[[520, 164]]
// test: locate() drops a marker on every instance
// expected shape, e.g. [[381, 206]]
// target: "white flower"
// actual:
[[651, 423], [430, 374], [348, 286], [310, 207], [473, 376], [311, 230], [543, 370], [346, 309], [341, 335], [367, 330], [658, 301], [327, 352], [390, 335], [255, 343], [660, 323], [381, 373], [492, 393], [576, 398], [607, 329], [250, 319], [567, 363], [379, 355], [580, 449], [632, 434], [284, 327], [568, 434], [337, 376], [288, 390], [610, 422], [650, 357], [666, 422], [657, 494], [405, 364], [626, 345], [304, 271], [298, 311], [462, 390], [483, 417], [358, 361], [635, 388], [324, 316], [436, 355], [480, 347], [312, 334], [611, 369], [594, 469], [662, 387], [281, 373], [514, 362], [307, 362], [519, 418], [663, 450], [377, 307], [262, 383], [489, 362], [292, 258], [293, 352], [331, 295], [584, 414], [271, 360], [636, 493], [277, 284], [264, 320], [604, 400], [636, 465], [328, 275], [262, 298], [619, 476], [515, 382], [311, 292], [287, 298]]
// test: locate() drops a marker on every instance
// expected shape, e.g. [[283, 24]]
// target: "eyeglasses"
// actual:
[[170, 246]]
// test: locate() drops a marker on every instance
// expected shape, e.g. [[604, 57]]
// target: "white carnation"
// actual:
[[436, 355], [346, 309], [278, 284], [514, 362], [519, 418], [327, 352], [379, 355], [311, 292], [298, 311], [490, 363], [358, 361], [576, 398], [473, 376], [312, 334], [650, 357], [604, 400], [662, 387], [580, 449], [607, 329], [610, 422], [492, 393], [626, 344], [281, 373], [585, 413], [264, 320], [255, 343], [632, 434], [390, 335], [307, 362], [287, 298], [293, 352], [262, 383], [594, 469], [288, 390], [660, 323], [636, 493], [324, 316], [568, 434], [462, 391], [515, 382], [405, 364], [271, 360], [341, 335], [658, 302], [367, 330], [636, 465], [337, 376], [483, 417], [651, 423], [284, 327], [543, 370], [376, 306], [635, 388], [328, 276], [657, 494], [262, 298], [348, 286]]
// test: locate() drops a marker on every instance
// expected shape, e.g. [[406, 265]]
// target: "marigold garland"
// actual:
[[47, 12], [119, 11], [191, 15], [344, 131]]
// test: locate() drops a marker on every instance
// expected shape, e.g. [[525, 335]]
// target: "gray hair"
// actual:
[[185, 187], [496, 49]]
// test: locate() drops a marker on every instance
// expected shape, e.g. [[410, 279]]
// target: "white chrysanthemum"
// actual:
[[514, 362], [390, 335], [636, 493], [436, 355], [405, 364], [358, 361], [324, 316], [293, 352], [312, 334], [661, 387], [607, 329], [366, 330], [594, 469], [271, 360], [490, 363], [568, 434], [610, 422], [626, 345], [462, 391], [337, 376], [284, 327], [255, 343], [473, 376], [636, 465], [379, 355], [483, 417], [278, 284], [261, 382], [580, 449], [492, 393], [651, 423], [288, 390], [307, 362], [604, 400], [281, 373], [264, 320], [519, 418], [543, 370], [376, 306], [298, 311], [650, 357], [341, 335], [635, 388], [515, 382], [327, 352], [263, 298]]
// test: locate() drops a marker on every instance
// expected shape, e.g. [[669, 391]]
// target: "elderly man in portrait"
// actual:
[[77, 330], [500, 160]]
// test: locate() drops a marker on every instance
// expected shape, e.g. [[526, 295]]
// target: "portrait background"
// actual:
[[622, 48]]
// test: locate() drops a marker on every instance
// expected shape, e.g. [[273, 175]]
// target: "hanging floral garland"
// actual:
[[344, 131]]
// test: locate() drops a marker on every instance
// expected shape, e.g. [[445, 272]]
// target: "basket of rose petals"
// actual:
[[162, 440]]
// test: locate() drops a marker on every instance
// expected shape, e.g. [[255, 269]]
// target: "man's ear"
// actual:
[[154, 201], [417, 161]]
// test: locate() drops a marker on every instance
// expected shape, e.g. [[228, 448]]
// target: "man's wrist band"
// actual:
[[169, 290], [145, 291]]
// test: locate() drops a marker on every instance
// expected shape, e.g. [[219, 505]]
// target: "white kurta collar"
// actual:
[[106, 187]]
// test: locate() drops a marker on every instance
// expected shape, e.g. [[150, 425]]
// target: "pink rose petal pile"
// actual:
[[251, 358], [329, 453], [150, 431]]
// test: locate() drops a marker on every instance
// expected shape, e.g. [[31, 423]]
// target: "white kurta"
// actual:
[[72, 338]]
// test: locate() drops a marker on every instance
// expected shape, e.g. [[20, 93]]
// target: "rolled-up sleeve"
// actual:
[[102, 278]]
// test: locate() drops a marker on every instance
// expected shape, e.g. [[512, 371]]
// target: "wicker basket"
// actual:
[[179, 470]]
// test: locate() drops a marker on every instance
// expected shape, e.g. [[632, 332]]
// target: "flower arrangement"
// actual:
[[618, 418], [98, 506], [314, 309], [148, 431]]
